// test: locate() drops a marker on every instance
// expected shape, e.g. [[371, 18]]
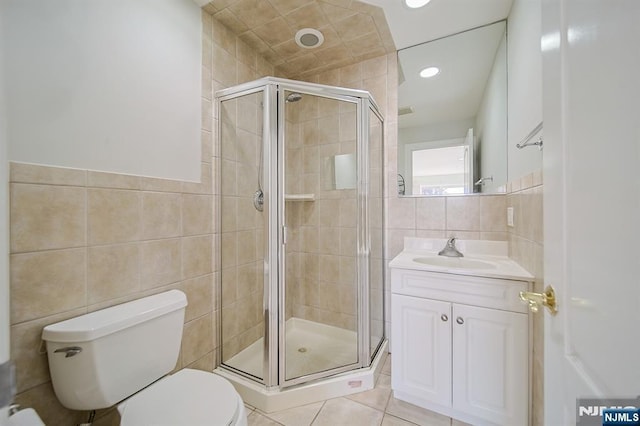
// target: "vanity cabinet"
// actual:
[[460, 346]]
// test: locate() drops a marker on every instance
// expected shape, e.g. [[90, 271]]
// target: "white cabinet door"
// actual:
[[421, 360], [490, 364]]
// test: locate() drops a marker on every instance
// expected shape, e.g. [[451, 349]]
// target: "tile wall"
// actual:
[[526, 246]]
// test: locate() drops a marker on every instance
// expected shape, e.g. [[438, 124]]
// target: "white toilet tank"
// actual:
[[101, 358]]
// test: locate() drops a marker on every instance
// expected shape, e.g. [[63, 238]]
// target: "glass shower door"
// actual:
[[319, 308], [241, 226]]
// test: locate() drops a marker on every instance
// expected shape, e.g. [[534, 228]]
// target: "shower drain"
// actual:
[[302, 349]]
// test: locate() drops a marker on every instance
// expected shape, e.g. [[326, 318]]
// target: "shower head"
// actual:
[[293, 97]]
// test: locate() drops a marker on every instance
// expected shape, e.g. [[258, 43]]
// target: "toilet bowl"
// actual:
[[188, 397], [122, 355]]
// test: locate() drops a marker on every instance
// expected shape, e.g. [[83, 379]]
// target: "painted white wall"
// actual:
[[109, 85], [491, 124], [524, 85], [4, 225]]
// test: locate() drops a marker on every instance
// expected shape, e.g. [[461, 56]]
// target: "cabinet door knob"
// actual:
[[444, 318], [459, 320]]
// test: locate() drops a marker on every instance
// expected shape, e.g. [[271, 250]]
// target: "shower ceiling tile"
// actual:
[[274, 32], [364, 44], [309, 16], [289, 49], [353, 31], [254, 41], [331, 37], [221, 4], [353, 26], [254, 13], [231, 21], [336, 13], [286, 6], [332, 54]]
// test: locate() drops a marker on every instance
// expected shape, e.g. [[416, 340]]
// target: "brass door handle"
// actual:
[[534, 300]]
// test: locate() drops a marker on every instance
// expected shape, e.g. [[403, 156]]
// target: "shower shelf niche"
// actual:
[[300, 197]]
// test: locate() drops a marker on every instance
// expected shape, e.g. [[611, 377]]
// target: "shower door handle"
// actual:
[[284, 235]]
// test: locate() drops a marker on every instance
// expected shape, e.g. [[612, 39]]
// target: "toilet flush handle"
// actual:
[[69, 351]]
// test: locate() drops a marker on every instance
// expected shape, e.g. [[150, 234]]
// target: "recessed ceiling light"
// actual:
[[429, 72], [415, 4], [309, 38]]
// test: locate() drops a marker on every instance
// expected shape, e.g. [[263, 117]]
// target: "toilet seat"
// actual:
[[188, 397]]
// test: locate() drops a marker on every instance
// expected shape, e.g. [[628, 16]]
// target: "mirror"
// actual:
[[340, 172], [452, 126]]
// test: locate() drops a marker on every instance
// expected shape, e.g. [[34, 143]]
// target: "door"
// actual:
[[243, 188], [421, 330], [319, 287], [591, 203], [490, 364]]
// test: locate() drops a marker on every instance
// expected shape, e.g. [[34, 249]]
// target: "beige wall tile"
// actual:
[[197, 339], [160, 262], [161, 215], [196, 256], [224, 67], [112, 180], [112, 272], [47, 217], [113, 216], [493, 213], [46, 283], [197, 214], [463, 213], [36, 173], [224, 37], [401, 213], [246, 247], [431, 213], [31, 366], [162, 185], [199, 293]]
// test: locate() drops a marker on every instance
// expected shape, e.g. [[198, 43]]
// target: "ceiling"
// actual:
[[353, 31], [465, 61], [439, 18]]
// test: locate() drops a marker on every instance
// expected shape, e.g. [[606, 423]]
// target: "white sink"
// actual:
[[455, 262]]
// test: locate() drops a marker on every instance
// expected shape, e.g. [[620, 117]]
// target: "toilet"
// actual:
[[122, 355]]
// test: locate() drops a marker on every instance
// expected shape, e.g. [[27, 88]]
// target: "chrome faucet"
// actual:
[[450, 249]]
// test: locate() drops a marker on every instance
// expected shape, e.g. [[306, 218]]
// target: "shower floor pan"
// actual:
[[311, 347]]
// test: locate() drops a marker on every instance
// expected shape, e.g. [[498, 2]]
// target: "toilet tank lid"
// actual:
[[110, 320]]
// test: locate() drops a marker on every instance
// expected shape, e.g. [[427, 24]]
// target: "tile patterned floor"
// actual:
[[376, 407]]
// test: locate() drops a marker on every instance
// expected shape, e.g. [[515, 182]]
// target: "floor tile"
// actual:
[[342, 411], [375, 398], [297, 416], [390, 420], [415, 414], [459, 423], [257, 419]]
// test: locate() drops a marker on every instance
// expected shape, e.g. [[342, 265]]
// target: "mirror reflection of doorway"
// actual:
[[441, 167]]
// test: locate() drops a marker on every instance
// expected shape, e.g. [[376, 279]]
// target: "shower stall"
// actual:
[[300, 235]]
